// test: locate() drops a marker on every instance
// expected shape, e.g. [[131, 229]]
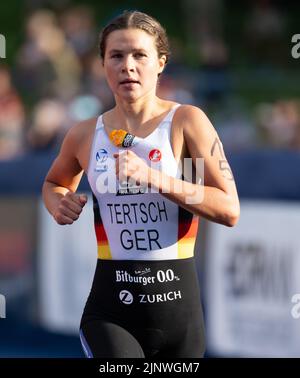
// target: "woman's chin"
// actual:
[[131, 96]]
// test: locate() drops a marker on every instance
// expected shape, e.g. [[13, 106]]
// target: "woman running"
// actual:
[[145, 299]]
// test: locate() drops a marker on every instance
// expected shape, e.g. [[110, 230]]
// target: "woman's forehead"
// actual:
[[130, 38]]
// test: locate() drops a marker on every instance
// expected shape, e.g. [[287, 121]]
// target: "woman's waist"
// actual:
[[145, 282]]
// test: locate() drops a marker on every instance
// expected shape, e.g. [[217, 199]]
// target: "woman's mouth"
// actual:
[[129, 82]]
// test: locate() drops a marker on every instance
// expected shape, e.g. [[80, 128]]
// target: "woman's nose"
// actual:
[[128, 64]]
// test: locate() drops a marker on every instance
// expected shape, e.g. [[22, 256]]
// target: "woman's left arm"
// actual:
[[217, 196]]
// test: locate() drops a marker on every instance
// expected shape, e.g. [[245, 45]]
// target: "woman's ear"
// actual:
[[162, 62]]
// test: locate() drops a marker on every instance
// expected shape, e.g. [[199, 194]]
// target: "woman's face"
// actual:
[[131, 63]]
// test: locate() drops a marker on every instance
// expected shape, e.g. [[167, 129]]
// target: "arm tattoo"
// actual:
[[223, 163], [217, 143]]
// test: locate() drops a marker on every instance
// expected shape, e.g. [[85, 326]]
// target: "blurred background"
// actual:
[[232, 59]]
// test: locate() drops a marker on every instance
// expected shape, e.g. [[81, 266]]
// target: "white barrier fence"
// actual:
[[2, 306]]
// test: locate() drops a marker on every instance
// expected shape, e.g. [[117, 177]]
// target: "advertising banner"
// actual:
[[252, 282]]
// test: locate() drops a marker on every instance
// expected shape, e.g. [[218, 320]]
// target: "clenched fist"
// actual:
[[69, 208], [131, 167]]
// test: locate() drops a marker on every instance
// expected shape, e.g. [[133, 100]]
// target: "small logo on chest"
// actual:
[[155, 155], [101, 160]]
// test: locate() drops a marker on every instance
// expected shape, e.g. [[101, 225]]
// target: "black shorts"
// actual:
[[143, 309]]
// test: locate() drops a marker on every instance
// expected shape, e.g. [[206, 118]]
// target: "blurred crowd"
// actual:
[[57, 80]]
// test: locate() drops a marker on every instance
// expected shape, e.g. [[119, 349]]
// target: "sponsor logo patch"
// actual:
[[101, 160], [155, 155]]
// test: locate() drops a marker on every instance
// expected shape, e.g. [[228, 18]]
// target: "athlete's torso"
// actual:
[[145, 281], [133, 222]]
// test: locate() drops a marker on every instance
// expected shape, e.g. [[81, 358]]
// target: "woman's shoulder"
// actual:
[[189, 116], [194, 123], [83, 129], [189, 112]]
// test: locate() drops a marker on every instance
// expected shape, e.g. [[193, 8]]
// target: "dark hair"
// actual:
[[137, 20]]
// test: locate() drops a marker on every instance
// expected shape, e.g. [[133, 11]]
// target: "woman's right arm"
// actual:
[[63, 179]]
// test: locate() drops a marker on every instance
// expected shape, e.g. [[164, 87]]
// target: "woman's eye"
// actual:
[[118, 56]]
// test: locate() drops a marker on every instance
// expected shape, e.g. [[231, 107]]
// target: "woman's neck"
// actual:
[[132, 116]]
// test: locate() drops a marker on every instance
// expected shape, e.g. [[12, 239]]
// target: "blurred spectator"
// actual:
[[235, 125], [78, 25], [84, 107], [48, 126], [215, 79], [11, 118], [94, 82], [265, 28], [34, 71], [279, 123], [170, 89], [47, 64], [66, 66]]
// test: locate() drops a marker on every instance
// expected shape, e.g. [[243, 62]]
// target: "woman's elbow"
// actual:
[[232, 215]]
